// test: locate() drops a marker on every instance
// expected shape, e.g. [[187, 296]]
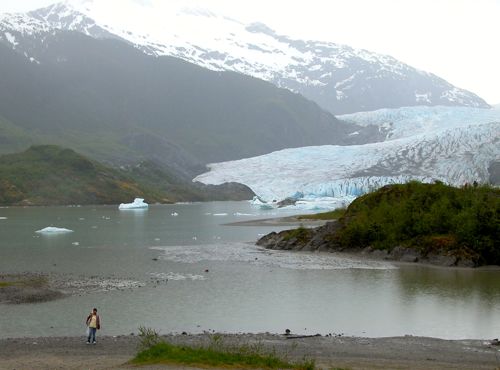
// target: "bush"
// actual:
[[433, 217]]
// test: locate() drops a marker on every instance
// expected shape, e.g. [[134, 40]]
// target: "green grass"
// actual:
[[155, 350], [302, 234], [327, 216], [237, 357]]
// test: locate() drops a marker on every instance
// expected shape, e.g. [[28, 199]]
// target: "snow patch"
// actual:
[[11, 38]]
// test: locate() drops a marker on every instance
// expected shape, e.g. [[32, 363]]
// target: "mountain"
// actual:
[[339, 78], [465, 150], [53, 175], [110, 101]]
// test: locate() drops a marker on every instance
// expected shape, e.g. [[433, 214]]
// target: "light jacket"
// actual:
[[98, 321]]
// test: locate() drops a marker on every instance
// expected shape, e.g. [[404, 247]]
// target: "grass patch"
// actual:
[[215, 354], [327, 216], [4, 284], [302, 234], [241, 357]]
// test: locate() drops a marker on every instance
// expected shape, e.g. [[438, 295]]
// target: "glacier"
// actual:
[[411, 121], [138, 203], [448, 144]]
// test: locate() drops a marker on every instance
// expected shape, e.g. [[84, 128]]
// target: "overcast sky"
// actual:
[[455, 39]]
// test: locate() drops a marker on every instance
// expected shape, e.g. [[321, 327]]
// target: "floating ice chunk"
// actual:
[[174, 214], [138, 203], [220, 214], [257, 201], [54, 230], [75, 243], [3, 218]]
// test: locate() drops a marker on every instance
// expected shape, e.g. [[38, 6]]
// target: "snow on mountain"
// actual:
[[459, 152], [339, 78]]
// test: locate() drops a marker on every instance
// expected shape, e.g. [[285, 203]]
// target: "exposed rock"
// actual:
[[321, 239], [441, 260], [287, 202]]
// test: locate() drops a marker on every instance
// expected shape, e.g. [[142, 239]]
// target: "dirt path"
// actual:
[[347, 352]]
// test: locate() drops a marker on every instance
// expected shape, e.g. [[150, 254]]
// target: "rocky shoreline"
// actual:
[[406, 352], [320, 239], [29, 287]]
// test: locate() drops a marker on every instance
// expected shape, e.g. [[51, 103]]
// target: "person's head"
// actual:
[[94, 311]]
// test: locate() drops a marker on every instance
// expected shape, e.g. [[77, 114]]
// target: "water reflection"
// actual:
[[452, 283]]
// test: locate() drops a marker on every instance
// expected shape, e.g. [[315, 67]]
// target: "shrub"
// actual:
[[433, 217]]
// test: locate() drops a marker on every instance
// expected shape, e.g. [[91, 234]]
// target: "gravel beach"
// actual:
[[347, 352]]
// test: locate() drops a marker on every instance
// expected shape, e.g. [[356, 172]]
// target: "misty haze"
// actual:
[[202, 183]]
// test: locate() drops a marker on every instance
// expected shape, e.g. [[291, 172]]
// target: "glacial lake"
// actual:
[[180, 268]]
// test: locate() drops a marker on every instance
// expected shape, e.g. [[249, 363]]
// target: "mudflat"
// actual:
[[406, 352]]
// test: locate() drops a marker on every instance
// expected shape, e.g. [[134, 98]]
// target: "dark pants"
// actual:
[[91, 334]]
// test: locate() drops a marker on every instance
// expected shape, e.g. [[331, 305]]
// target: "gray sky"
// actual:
[[454, 39]]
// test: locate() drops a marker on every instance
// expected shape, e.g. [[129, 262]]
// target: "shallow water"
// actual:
[[179, 268]]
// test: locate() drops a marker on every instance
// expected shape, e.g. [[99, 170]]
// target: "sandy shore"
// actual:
[[349, 352]]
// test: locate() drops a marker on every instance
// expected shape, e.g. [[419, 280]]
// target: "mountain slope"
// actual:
[[461, 152], [110, 101], [339, 78], [53, 175]]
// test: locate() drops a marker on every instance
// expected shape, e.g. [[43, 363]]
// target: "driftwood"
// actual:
[[301, 336]]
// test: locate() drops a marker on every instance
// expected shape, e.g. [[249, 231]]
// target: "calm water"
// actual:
[[246, 289]]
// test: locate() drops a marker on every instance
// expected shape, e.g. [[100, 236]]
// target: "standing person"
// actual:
[[94, 323]]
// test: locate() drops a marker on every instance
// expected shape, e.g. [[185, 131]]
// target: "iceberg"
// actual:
[[138, 203], [259, 203], [54, 230]]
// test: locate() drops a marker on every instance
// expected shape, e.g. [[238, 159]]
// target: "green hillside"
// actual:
[[429, 219], [51, 175]]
